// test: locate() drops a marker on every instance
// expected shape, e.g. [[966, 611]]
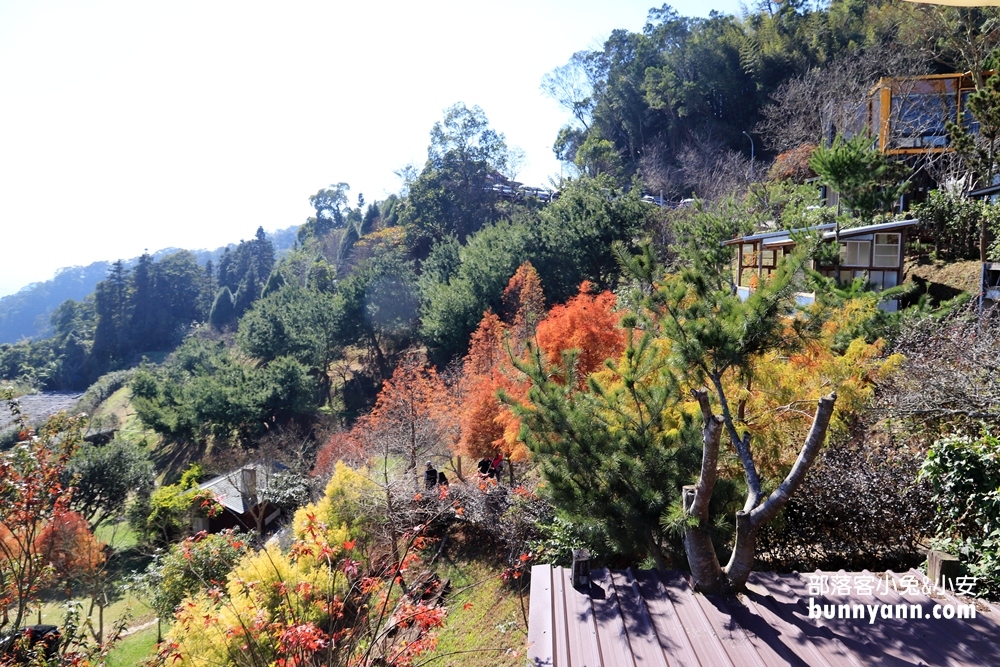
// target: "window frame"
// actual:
[[897, 246], [845, 252]]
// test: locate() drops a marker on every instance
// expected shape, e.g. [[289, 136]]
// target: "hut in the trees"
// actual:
[[243, 495], [872, 252]]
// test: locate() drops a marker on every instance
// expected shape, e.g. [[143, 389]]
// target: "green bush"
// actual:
[[964, 474], [199, 563]]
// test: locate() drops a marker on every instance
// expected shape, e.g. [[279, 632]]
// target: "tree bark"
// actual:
[[702, 560], [741, 445], [709, 577], [748, 524]]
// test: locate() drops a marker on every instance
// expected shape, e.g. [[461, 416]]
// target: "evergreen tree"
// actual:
[[112, 308], [223, 314], [146, 314], [868, 181], [245, 270]]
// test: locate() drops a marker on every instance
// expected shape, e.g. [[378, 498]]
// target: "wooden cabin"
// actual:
[[241, 493], [872, 252], [910, 113], [989, 278]]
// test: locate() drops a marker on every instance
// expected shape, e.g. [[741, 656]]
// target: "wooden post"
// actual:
[[942, 567], [581, 569]]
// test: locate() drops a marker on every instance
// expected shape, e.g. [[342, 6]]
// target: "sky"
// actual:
[[132, 125]]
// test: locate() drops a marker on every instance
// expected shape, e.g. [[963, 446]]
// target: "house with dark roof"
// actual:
[[243, 495]]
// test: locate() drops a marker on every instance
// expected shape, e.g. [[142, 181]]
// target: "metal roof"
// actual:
[[784, 237], [227, 489], [984, 192], [872, 229], [652, 618], [781, 232]]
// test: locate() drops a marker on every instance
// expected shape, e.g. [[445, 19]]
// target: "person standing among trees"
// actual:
[[496, 467], [484, 467], [430, 477]]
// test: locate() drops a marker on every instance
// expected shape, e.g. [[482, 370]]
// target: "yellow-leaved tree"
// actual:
[[321, 602]]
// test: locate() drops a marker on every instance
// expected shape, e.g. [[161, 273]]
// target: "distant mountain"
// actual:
[[26, 314]]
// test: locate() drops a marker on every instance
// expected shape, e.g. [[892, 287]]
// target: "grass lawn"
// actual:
[[125, 559], [54, 611], [117, 535], [134, 649]]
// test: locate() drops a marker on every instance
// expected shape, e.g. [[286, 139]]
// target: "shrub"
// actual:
[[858, 508], [191, 566], [166, 515], [313, 605], [964, 473], [102, 389]]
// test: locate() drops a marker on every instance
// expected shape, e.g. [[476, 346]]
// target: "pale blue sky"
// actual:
[[128, 125]]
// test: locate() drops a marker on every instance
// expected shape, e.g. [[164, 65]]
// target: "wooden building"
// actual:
[[241, 493], [909, 114], [872, 252]]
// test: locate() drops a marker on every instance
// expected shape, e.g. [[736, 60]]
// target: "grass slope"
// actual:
[[486, 624]]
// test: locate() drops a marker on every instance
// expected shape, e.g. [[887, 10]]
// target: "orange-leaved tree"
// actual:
[[487, 426], [523, 304], [481, 432], [587, 323], [346, 446], [70, 549], [412, 416]]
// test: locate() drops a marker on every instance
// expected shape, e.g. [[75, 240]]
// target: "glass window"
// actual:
[[768, 258], [855, 253], [748, 255], [920, 119], [968, 120], [886, 250]]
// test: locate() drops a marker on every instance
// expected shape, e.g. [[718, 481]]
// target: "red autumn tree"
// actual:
[[523, 305], [412, 416], [66, 544], [479, 430], [346, 446], [486, 425], [32, 496], [587, 323]]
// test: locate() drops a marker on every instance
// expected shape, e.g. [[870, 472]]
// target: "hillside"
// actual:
[[26, 313], [350, 443]]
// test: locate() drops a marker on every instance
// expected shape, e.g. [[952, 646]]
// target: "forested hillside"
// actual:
[[429, 393], [27, 314]]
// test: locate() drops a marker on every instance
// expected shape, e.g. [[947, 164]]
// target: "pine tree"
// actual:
[[223, 314], [111, 306]]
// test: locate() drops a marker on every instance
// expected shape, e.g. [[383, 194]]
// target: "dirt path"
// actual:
[[138, 628]]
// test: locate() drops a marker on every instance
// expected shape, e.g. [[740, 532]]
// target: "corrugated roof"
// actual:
[[779, 233], [784, 237], [652, 618], [871, 229], [227, 487], [984, 192]]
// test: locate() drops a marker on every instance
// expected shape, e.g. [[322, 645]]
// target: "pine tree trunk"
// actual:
[[709, 577], [704, 564]]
